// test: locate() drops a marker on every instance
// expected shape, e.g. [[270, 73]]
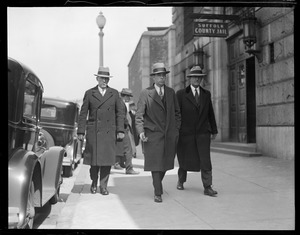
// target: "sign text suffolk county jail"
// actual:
[[207, 29]]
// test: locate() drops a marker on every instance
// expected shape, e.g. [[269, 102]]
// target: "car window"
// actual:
[[48, 112], [30, 100]]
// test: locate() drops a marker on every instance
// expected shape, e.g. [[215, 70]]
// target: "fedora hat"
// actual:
[[196, 71], [159, 68], [103, 72], [126, 91]]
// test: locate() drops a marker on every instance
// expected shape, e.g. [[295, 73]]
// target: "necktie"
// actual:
[[196, 96], [160, 93]]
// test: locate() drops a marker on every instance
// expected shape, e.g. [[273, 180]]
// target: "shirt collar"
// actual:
[[193, 89], [157, 88]]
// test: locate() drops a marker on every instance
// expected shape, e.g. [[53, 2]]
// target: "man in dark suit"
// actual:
[[157, 123], [102, 105], [198, 127]]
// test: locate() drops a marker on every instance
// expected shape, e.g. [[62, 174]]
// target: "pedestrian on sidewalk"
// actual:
[[103, 107], [124, 147], [134, 137], [157, 123], [198, 127]]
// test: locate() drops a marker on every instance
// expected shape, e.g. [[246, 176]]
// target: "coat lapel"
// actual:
[[96, 93], [101, 98], [153, 94], [190, 96], [203, 97]]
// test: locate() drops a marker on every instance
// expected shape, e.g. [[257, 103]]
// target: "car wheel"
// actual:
[[55, 197], [68, 170], [47, 139], [30, 210]]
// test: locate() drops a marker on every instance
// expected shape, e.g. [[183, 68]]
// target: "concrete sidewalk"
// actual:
[[254, 193]]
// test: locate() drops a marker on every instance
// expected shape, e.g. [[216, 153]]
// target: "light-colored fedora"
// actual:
[[159, 68], [103, 72], [196, 71], [126, 91]]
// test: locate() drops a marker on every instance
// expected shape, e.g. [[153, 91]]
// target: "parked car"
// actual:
[[59, 121], [34, 173]]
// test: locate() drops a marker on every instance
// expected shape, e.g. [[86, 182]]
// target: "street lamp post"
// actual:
[[101, 23]]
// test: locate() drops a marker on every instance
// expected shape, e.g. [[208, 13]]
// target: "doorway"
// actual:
[[242, 101]]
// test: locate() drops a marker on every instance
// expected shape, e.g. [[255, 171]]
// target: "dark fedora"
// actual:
[[196, 71], [159, 68], [126, 91], [103, 72]]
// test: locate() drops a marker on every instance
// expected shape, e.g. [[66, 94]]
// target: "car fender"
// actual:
[[21, 167], [51, 164], [69, 157]]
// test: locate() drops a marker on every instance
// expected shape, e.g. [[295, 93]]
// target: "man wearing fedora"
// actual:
[[198, 127], [157, 123], [124, 147], [102, 119]]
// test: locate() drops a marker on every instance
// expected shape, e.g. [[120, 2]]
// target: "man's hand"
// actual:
[[120, 136], [143, 137], [213, 136], [80, 137]]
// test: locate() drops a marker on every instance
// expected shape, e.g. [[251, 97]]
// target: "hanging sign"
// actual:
[[208, 29]]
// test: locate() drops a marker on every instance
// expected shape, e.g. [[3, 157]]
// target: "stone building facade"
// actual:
[[253, 99], [155, 45]]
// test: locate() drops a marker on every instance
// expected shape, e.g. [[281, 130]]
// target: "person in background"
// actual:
[[198, 127], [157, 123], [124, 147], [102, 119], [134, 137]]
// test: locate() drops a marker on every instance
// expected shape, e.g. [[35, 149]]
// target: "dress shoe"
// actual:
[[104, 191], [117, 166], [210, 192], [93, 187], [132, 172], [157, 198], [180, 186]]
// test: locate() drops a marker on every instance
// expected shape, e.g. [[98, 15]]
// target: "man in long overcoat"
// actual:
[[198, 127], [105, 123], [157, 123]]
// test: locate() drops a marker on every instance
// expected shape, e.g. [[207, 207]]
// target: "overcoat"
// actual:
[[197, 124], [160, 122], [101, 118]]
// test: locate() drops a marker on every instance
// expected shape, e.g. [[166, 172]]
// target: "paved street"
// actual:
[[254, 193]]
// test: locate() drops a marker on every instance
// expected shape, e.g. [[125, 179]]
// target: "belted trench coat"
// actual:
[[161, 124], [101, 118], [197, 124]]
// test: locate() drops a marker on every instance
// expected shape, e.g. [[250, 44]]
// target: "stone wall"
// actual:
[[275, 83]]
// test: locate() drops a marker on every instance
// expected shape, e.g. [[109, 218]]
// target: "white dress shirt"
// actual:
[[194, 90], [157, 88], [102, 91]]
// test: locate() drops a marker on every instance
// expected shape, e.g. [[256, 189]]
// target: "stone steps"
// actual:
[[232, 148]]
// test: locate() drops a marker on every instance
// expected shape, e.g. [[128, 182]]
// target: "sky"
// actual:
[[61, 44]]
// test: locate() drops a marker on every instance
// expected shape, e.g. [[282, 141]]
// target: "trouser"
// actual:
[[104, 174], [157, 177], [206, 177], [127, 150]]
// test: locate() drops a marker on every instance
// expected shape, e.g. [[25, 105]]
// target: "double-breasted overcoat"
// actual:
[[161, 124], [197, 124], [101, 118]]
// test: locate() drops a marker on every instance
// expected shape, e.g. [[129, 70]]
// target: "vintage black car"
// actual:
[[59, 121], [34, 173]]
